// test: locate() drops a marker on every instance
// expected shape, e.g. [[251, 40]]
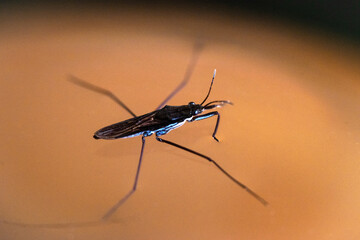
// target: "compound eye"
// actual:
[[191, 103]]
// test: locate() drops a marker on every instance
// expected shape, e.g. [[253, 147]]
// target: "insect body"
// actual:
[[160, 122]]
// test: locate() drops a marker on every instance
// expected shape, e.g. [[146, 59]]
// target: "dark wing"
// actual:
[[131, 127]]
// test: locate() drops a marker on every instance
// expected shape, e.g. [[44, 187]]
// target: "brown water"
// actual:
[[293, 134]]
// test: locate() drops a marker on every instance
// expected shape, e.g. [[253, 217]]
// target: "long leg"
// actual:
[[207, 115], [218, 166], [100, 90], [123, 200], [87, 223], [195, 55]]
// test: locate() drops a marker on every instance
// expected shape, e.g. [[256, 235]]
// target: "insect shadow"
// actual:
[[159, 122]]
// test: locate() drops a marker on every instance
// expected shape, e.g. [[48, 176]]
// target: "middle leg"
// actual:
[[252, 193]]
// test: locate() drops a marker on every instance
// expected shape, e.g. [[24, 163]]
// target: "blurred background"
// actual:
[[293, 135], [341, 17]]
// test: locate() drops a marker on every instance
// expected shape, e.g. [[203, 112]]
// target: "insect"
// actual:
[[159, 122]]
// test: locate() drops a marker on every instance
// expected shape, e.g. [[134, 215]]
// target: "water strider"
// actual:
[[160, 122]]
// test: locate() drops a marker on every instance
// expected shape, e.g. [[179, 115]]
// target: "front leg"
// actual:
[[207, 115]]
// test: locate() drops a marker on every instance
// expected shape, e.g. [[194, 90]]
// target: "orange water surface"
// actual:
[[292, 135]]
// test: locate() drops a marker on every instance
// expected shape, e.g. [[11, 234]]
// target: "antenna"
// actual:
[[212, 81]]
